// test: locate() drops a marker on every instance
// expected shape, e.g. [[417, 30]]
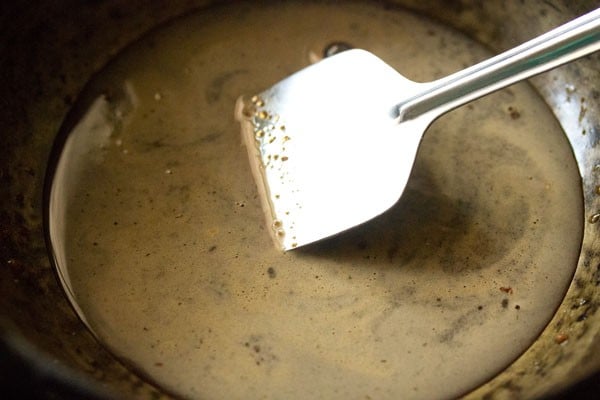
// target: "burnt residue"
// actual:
[[470, 319], [260, 351], [514, 113], [552, 5], [584, 308], [511, 388]]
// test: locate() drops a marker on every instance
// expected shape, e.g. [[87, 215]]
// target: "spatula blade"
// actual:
[[325, 148]]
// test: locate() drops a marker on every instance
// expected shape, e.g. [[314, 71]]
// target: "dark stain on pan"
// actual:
[[215, 89]]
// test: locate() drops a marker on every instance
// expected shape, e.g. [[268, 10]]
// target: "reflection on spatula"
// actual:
[[332, 146]]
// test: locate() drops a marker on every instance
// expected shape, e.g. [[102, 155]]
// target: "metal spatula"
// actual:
[[332, 146]]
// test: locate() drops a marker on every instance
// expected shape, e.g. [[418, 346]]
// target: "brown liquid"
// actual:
[[160, 241]]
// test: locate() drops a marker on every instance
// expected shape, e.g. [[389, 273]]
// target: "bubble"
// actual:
[[336, 48]]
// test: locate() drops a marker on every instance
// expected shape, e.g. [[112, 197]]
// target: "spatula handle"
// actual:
[[561, 45]]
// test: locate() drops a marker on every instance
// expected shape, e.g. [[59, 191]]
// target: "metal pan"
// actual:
[[49, 52]]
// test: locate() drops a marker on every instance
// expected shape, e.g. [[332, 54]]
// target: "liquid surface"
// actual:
[[159, 237]]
